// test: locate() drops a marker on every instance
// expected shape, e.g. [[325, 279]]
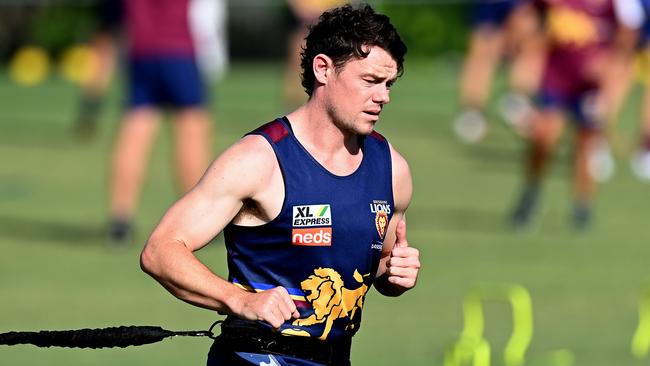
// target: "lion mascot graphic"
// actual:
[[330, 299], [381, 221]]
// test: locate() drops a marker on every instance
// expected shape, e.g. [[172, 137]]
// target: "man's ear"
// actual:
[[323, 68]]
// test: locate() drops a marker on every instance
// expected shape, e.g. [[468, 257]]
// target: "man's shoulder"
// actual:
[[244, 168], [252, 149], [252, 152], [401, 169], [402, 180], [396, 156], [273, 131]]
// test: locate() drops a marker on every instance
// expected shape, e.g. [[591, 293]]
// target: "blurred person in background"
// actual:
[[504, 28], [620, 82], [104, 47], [163, 75], [208, 25], [641, 159], [587, 41], [312, 206], [303, 14]]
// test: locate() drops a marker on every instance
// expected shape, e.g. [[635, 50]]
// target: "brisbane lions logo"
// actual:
[[381, 221], [330, 299]]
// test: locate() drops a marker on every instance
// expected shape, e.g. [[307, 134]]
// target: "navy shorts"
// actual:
[[565, 87], [220, 355], [491, 13], [644, 37], [580, 106], [165, 82]]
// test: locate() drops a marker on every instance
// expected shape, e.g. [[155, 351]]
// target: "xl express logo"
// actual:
[[312, 225]]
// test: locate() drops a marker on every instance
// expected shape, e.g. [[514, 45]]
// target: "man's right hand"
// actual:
[[273, 306]]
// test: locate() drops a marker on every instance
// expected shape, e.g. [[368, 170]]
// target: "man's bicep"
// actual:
[[206, 210], [196, 218]]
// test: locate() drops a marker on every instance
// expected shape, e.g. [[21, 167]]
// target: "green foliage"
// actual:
[[56, 27], [430, 29]]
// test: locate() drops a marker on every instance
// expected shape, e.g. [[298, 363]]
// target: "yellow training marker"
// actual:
[[29, 66], [78, 63]]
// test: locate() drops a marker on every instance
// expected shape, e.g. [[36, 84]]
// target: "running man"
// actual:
[[312, 206]]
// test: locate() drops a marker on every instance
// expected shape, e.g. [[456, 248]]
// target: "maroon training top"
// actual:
[[158, 28]]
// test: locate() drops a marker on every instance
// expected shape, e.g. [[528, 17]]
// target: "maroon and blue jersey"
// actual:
[[162, 68], [324, 246], [579, 24], [580, 33]]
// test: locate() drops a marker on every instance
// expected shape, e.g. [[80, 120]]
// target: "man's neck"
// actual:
[[337, 150], [314, 127]]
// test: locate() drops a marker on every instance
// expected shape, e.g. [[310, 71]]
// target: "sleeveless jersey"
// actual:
[[324, 246]]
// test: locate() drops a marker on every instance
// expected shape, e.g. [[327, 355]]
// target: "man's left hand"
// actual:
[[404, 263]]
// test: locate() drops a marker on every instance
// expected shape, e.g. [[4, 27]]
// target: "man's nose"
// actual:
[[382, 95]]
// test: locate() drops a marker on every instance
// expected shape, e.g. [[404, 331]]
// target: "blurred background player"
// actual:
[[104, 46], [641, 159], [208, 24], [162, 75], [303, 14], [500, 28], [586, 41], [616, 85], [619, 83]]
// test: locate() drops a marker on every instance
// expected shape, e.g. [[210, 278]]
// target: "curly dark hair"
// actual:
[[343, 33]]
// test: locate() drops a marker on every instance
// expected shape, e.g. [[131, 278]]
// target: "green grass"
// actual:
[[55, 272]]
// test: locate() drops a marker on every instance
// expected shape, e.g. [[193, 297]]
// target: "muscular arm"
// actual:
[[399, 264], [240, 173]]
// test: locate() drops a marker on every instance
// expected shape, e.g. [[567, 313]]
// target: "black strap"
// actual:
[[243, 336], [122, 336]]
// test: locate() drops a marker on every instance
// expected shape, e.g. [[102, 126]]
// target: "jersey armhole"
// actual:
[[272, 139]]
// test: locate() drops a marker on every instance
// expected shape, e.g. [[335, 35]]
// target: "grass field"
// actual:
[[55, 272]]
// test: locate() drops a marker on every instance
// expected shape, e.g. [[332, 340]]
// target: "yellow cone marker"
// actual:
[[77, 64], [29, 66]]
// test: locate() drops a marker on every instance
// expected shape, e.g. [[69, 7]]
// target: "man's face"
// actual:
[[358, 92]]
